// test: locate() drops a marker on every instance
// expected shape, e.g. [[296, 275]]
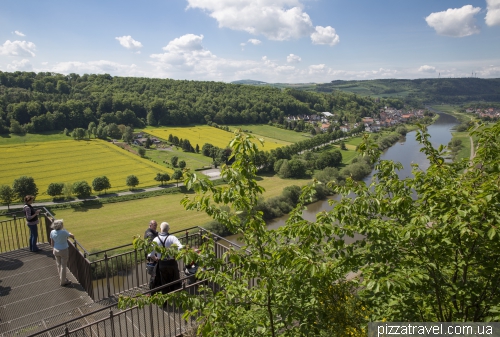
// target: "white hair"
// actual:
[[164, 227], [57, 224]]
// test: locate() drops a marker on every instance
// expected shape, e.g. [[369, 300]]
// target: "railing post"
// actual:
[[66, 331], [151, 321], [15, 229], [107, 273], [112, 322], [187, 238], [136, 267]]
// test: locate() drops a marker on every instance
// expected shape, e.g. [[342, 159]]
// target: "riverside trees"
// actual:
[[430, 250]]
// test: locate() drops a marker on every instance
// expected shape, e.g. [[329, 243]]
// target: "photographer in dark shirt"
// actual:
[[151, 232]]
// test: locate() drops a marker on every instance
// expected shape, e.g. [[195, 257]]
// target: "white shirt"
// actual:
[[169, 241]]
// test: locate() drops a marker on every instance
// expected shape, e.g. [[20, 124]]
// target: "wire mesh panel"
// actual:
[[15, 234]]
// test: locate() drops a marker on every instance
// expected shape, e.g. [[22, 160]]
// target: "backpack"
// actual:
[[155, 279]]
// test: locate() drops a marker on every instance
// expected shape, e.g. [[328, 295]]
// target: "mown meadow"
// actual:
[[68, 161], [109, 225]]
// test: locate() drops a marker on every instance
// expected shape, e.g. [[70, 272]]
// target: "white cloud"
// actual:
[[95, 67], [128, 42], [18, 48], [185, 43], [455, 22], [493, 15], [293, 58], [275, 19], [254, 41], [23, 65], [427, 69], [18, 33], [325, 35]]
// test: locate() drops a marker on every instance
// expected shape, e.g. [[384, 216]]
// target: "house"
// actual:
[[327, 114]]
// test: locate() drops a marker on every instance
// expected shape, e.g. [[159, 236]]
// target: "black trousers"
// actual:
[[169, 272]]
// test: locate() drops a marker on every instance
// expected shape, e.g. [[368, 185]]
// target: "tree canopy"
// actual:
[[427, 249]]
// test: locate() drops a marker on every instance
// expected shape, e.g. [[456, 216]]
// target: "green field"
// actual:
[[115, 224], [273, 132], [12, 139], [69, 161], [193, 160]]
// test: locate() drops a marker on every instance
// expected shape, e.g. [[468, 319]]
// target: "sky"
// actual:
[[275, 41]]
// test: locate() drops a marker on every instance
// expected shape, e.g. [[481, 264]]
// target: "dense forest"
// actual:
[[39, 102], [428, 90]]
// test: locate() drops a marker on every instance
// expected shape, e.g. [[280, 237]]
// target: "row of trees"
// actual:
[[35, 103], [26, 186]]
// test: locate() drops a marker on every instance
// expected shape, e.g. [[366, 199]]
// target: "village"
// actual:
[[485, 113], [387, 117]]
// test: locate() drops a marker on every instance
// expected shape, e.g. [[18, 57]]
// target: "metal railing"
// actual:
[[15, 234], [123, 272], [151, 320]]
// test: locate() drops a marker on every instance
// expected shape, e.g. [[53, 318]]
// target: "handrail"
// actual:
[[218, 238], [109, 306]]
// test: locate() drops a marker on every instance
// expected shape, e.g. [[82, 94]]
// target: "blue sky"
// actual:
[[295, 41]]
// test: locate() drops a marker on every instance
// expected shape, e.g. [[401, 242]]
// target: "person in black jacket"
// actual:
[[151, 232], [32, 221]]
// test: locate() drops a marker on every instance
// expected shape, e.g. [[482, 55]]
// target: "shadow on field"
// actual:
[[86, 206]]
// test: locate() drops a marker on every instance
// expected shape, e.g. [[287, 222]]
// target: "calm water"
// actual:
[[406, 152]]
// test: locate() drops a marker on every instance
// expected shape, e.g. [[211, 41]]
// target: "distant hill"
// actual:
[[445, 90], [249, 82]]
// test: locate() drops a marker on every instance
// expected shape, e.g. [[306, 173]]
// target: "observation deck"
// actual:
[[32, 303]]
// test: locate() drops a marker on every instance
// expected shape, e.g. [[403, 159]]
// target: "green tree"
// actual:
[[16, 128], [182, 164], [280, 303], [24, 186], [101, 184], [177, 176], [161, 177], [141, 151], [173, 161], [90, 128], [81, 189], [7, 195], [431, 250], [113, 131], [55, 189], [128, 135], [132, 181], [329, 159]]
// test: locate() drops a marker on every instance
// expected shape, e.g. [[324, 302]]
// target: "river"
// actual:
[[407, 151]]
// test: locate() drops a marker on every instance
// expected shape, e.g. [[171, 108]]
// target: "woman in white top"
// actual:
[[59, 241]]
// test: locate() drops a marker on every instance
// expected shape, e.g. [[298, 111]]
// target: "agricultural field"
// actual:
[[273, 132], [68, 161], [207, 134], [117, 223]]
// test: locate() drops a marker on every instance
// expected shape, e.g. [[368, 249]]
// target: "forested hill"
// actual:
[[441, 90], [48, 101]]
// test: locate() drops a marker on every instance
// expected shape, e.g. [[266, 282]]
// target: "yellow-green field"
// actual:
[[69, 161], [207, 134]]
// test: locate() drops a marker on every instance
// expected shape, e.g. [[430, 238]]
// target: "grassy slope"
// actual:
[[114, 224], [273, 132]]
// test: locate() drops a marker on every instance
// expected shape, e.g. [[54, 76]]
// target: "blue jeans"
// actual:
[[33, 237]]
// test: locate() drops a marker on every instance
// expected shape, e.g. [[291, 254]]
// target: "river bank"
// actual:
[[406, 151]]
